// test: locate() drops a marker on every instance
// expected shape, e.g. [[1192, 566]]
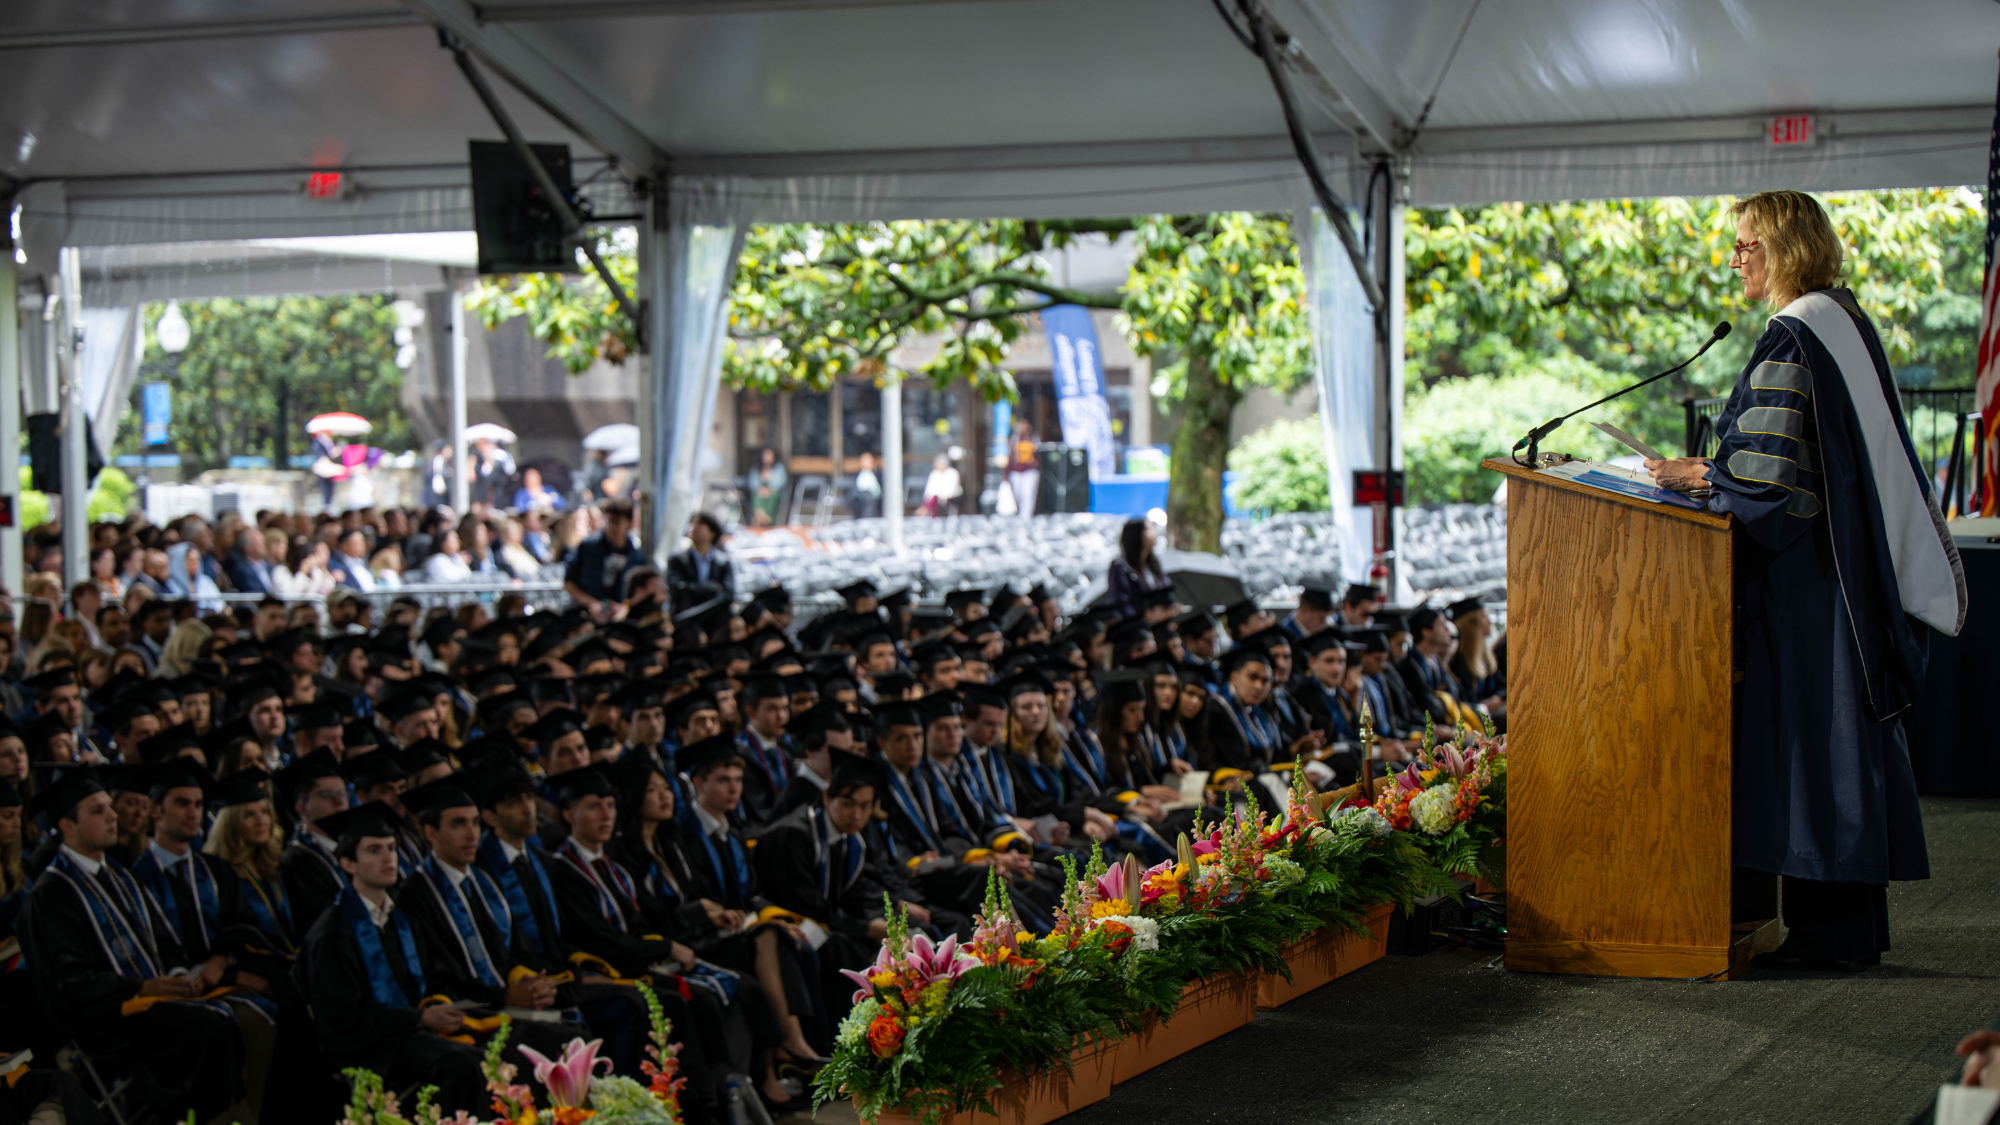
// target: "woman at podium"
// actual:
[[1843, 564]]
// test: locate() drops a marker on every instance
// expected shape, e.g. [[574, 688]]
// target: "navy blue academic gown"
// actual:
[[1823, 784]]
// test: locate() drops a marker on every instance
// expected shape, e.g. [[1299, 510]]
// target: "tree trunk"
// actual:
[[1200, 453]]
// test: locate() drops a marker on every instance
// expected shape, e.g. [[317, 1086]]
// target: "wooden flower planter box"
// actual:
[[1324, 955], [1209, 1009], [1041, 1098]]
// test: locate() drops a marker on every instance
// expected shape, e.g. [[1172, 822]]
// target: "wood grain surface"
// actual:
[[1691, 515], [1619, 734]]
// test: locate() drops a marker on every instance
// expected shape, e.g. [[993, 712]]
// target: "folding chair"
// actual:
[[110, 1098]]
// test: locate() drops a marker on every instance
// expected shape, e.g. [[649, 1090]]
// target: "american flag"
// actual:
[[1987, 502]]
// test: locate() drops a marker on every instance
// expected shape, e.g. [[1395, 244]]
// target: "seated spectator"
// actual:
[[532, 495], [447, 563]]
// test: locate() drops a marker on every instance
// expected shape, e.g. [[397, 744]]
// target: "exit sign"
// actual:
[[1372, 486], [1791, 129], [324, 185]]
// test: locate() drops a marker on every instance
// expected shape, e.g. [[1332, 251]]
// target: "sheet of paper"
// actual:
[[1966, 1105], [1626, 482], [1629, 442]]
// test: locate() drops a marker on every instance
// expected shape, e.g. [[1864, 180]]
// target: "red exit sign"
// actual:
[[1791, 129], [324, 185]]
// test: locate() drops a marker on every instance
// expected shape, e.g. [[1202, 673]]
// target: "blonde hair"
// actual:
[[225, 841], [183, 648], [1800, 246], [1045, 747]]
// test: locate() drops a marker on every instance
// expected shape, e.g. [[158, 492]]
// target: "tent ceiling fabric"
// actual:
[[205, 126]]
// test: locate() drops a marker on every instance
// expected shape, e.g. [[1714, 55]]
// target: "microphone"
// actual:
[[1535, 435]]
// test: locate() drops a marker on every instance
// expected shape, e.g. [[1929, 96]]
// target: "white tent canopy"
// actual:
[[123, 125]]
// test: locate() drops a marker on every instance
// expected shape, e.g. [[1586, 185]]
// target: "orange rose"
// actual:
[[885, 1036]]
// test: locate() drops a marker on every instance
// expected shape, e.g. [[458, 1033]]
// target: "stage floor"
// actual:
[[1445, 1038]]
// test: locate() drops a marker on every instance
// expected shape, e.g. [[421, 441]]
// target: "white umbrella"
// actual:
[[339, 422], [615, 436], [487, 431], [625, 455]]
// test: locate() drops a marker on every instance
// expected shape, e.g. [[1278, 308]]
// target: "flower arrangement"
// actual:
[[1453, 801], [936, 1026], [577, 1093]]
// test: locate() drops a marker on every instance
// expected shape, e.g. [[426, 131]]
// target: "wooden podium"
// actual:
[[1620, 703]]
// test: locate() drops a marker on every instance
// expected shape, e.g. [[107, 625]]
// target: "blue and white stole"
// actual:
[[1260, 735], [774, 763], [1090, 769], [269, 907], [621, 883], [739, 862], [995, 779], [190, 877], [470, 944], [118, 916], [492, 858], [381, 978], [943, 799], [1378, 700], [1174, 744], [915, 803], [823, 839]]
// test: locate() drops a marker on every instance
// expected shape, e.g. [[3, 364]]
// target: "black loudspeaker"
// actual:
[[1065, 483], [45, 453], [519, 232]]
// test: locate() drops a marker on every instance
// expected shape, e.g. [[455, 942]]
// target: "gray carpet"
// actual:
[[1444, 1038]]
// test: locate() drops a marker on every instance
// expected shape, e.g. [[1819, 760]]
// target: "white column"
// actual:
[[892, 456], [10, 419], [75, 427], [461, 480], [1392, 388]]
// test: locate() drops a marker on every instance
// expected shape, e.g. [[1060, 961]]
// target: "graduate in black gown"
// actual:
[[110, 974], [311, 875], [1843, 567]]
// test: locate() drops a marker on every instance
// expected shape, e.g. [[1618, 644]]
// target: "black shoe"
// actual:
[[1789, 961]]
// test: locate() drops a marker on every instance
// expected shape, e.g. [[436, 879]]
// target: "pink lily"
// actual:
[[1111, 884], [1455, 763], [568, 1081], [866, 988], [1409, 780]]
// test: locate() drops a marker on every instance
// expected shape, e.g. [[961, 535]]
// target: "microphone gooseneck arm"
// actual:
[[1535, 435]]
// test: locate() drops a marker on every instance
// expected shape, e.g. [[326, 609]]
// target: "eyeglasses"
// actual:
[[1743, 250]]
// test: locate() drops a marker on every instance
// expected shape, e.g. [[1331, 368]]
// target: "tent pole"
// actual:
[[461, 481], [75, 426], [892, 456], [10, 418], [660, 394]]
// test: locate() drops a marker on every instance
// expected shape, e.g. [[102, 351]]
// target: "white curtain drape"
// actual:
[[1344, 375], [695, 269]]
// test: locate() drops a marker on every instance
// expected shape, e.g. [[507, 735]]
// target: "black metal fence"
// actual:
[[1944, 427]]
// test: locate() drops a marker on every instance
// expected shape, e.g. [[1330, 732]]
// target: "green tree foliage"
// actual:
[[1219, 301], [1536, 308], [1281, 468], [110, 499], [574, 314], [247, 358]]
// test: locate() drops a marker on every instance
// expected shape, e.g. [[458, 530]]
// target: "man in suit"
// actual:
[[248, 569]]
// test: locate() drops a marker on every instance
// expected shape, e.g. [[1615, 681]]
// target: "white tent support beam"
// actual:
[[461, 479], [892, 456], [518, 55], [10, 418], [75, 425], [1315, 52]]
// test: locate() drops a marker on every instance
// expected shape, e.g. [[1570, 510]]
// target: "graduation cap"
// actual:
[[600, 737], [817, 720], [958, 599], [119, 715], [874, 636], [1390, 622], [980, 628], [1321, 641], [1017, 622], [1195, 623], [1128, 636], [252, 690], [243, 787], [772, 597], [1125, 685], [51, 680], [590, 689], [1464, 607], [1239, 614], [59, 798], [10, 796], [177, 774], [892, 684], [373, 819], [896, 714], [194, 683], [302, 773], [1025, 682], [683, 710], [701, 757], [553, 726], [291, 640], [551, 690], [857, 590], [929, 654], [637, 696], [404, 704], [498, 780], [169, 743], [241, 654], [1038, 593], [1316, 596], [424, 753], [939, 705], [1361, 592], [896, 599], [313, 716], [447, 792], [358, 735], [1371, 640], [854, 771], [759, 686], [495, 681], [1422, 618], [1243, 654], [378, 768], [591, 780], [1164, 596]]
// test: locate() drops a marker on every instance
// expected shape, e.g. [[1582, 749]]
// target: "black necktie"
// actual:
[[603, 868], [724, 860]]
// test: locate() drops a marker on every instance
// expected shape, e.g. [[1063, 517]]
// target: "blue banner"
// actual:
[[157, 411], [1079, 379]]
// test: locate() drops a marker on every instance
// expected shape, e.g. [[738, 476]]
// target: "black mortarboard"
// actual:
[[939, 705], [40, 732], [125, 710], [1194, 623], [895, 599], [1124, 685], [424, 753], [896, 714], [1317, 597], [169, 743], [813, 720], [10, 796], [447, 792], [584, 781], [853, 771], [1244, 654], [378, 768], [1390, 621], [1422, 618], [1371, 640], [685, 708], [979, 695], [313, 716], [498, 780], [856, 590], [637, 696], [1465, 607], [957, 598], [550, 690], [1021, 683], [1321, 641], [243, 787], [178, 774], [405, 703], [52, 679], [60, 797], [553, 726], [305, 771], [1241, 612], [1164, 596], [357, 734], [371, 819], [241, 653], [892, 684], [762, 685], [1130, 635], [1361, 592], [700, 757]]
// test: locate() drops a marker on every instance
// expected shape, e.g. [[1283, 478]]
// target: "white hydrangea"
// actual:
[[1145, 931], [1284, 872], [853, 1030], [1435, 809], [1364, 818]]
